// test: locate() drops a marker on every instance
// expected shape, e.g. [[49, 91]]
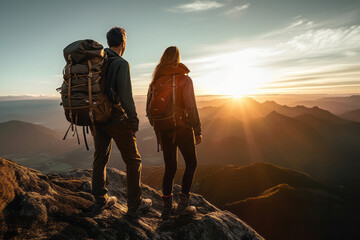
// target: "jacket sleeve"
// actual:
[[190, 106], [124, 91]]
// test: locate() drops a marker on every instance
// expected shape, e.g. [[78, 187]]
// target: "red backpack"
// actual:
[[161, 108]]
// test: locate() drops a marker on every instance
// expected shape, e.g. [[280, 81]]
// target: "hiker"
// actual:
[[172, 111], [121, 127]]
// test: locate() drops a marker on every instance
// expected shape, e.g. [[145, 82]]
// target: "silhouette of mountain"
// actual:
[[42, 148], [286, 212], [306, 139], [251, 180], [274, 138], [48, 112], [278, 202], [19, 137], [241, 132], [336, 105], [58, 206], [248, 108], [352, 115]]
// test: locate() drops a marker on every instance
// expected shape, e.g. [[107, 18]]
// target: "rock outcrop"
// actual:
[[59, 206]]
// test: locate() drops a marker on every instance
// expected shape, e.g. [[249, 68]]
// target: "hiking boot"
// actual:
[[99, 206], [183, 207], [168, 207], [145, 205]]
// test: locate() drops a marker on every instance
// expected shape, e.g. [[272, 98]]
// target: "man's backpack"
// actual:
[[82, 91], [161, 108]]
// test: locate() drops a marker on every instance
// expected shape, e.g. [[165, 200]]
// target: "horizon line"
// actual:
[[13, 97]]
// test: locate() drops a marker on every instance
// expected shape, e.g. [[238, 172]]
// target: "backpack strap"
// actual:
[[174, 105], [86, 144], [76, 131], [69, 96], [91, 115], [67, 132], [69, 93]]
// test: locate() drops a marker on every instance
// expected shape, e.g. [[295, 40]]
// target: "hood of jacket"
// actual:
[[168, 70]]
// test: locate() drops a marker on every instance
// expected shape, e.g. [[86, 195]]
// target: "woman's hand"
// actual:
[[198, 139]]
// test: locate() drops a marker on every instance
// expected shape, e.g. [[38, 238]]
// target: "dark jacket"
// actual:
[[118, 77], [186, 109]]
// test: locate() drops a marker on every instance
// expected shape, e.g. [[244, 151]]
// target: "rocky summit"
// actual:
[[59, 206]]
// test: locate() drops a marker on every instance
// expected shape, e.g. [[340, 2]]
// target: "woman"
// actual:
[[170, 80]]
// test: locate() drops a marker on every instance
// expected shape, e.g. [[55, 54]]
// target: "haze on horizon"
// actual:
[[232, 47]]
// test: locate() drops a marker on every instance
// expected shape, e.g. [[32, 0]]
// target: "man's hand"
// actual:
[[198, 139]]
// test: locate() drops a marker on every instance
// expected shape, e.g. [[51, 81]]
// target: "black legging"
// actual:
[[184, 140]]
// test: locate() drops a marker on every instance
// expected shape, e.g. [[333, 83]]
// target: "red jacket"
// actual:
[[186, 110]]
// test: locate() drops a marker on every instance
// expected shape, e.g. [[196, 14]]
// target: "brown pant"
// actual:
[[118, 130]]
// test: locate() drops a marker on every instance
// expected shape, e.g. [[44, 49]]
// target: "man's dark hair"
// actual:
[[116, 37]]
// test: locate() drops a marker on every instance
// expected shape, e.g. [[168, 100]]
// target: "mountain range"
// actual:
[[353, 115], [240, 131], [312, 140], [336, 105]]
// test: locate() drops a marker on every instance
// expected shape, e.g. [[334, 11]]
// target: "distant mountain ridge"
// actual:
[[34, 145], [248, 108], [240, 132], [353, 115], [336, 105], [301, 138], [48, 112], [18, 136]]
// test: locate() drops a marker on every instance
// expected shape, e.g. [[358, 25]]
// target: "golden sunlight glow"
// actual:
[[236, 75], [242, 81]]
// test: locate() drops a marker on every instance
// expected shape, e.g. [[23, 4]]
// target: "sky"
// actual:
[[232, 47]]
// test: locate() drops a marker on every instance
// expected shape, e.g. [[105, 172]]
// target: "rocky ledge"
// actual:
[[59, 206]]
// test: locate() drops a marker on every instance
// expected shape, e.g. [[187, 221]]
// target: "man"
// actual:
[[121, 127]]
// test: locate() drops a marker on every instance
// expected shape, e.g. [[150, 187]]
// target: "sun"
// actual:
[[236, 75], [238, 96], [239, 81]]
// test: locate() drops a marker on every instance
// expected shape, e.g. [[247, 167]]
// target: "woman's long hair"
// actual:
[[171, 57]]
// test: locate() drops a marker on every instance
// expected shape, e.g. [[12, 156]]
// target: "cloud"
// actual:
[[343, 37], [300, 22], [312, 59], [197, 6], [238, 9]]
